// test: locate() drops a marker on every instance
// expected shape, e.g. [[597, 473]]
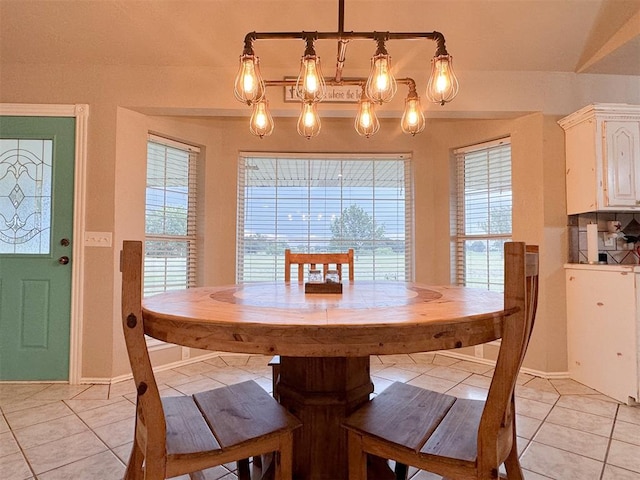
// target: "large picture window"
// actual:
[[324, 203], [483, 212], [170, 240]]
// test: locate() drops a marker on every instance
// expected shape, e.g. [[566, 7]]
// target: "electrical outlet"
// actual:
[[97, 239], [609, 241]]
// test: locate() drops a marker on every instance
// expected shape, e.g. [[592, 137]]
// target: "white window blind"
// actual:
[[325, 203], [483, 213], [170, 241]]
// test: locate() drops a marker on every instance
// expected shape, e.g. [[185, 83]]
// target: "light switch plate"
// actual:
[[97, 239]]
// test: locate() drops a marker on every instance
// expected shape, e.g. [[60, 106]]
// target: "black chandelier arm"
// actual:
[[248, 43], [380, 39], [346, 36], [435, 36], [309, 38]]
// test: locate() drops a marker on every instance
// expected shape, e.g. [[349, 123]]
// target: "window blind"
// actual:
[[324, 203], [170, 242], [483, 206]]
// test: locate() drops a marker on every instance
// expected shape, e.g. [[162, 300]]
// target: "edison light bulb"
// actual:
[[413, 118], [382, 80], [249, 80], [381, 85], [261, 123], [442, 80], [309, 121], [310, 85], [249, 85], [310, 78], [366, 123], [443, 84]]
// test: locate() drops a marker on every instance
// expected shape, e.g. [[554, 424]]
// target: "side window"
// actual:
[[170, 227], [483, 211]]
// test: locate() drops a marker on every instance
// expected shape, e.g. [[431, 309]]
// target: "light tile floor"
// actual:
[[566, 430]]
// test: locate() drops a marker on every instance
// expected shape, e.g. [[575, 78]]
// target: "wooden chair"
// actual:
[[313, 260], [178, 435], [457, 438]]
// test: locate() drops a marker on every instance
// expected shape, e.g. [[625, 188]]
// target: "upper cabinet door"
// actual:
[[621, 145], [602, 154]]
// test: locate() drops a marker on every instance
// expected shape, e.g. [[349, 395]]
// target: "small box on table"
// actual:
[[328, 287]]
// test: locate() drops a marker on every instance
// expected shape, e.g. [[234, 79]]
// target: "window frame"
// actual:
[[460, 222], [190, 237], [278, 267]]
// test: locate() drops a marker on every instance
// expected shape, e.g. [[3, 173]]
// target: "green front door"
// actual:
[[36, 224]]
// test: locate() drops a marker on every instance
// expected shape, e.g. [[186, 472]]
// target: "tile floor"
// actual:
[[566, 430]]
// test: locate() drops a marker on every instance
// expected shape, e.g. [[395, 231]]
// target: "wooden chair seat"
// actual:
[[458, 438], [425, 422], [178, 435]]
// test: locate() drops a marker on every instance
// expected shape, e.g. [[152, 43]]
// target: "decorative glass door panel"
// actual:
[[25, 196]]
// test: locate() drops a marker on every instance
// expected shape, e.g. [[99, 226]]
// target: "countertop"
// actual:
[[604, 267]]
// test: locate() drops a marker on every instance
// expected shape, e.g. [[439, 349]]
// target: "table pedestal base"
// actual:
[[321, 392]]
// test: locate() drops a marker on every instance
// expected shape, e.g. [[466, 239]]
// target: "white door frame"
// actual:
[[81, 114]]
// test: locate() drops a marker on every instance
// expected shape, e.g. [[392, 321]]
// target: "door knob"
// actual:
[[63, 260], [64, 242]]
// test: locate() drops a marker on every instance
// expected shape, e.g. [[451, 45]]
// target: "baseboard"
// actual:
[[27, 382], [486, 361], [95, 381], [160, 368], [187, 361]]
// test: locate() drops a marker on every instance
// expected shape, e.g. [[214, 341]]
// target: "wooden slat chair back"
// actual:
[[458, 438], [178, 435], [315, 260]]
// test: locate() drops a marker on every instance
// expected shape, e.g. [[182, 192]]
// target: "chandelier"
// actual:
[[311, 86]]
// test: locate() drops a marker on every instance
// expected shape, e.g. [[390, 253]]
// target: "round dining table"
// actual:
[[324, 341]]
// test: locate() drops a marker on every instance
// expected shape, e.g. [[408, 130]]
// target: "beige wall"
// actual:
[[115, 172], [536, 216]]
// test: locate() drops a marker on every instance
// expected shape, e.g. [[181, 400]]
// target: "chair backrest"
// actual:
[[150, 425], [313, 260], [496, 434]]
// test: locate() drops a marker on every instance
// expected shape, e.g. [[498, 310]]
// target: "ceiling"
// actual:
[[583, 36]]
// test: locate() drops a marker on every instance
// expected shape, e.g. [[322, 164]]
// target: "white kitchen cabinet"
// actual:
[[602, 328], [602, 146]]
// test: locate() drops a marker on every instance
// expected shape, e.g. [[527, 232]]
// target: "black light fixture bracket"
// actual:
[[343, 39]]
